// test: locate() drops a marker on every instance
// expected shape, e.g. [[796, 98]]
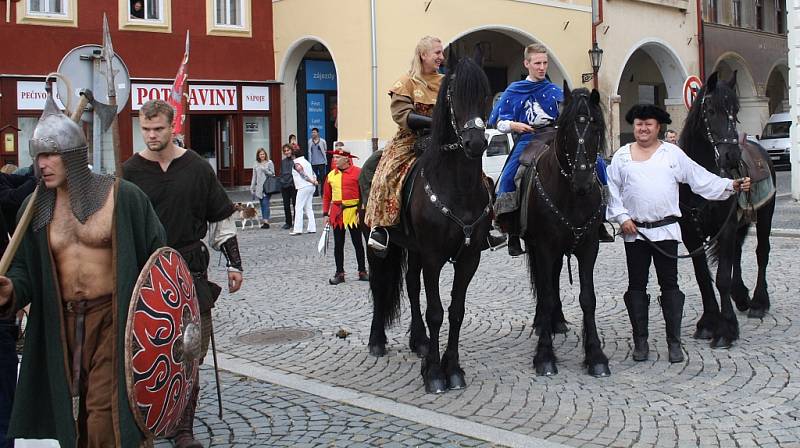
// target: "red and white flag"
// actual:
[[176, 98]]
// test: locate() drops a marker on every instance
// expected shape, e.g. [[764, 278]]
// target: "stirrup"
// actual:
[[375, 244]]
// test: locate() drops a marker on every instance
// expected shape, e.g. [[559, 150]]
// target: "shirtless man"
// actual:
[[77, 266]]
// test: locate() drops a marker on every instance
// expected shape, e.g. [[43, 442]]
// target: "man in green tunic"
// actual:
[[77, 266]]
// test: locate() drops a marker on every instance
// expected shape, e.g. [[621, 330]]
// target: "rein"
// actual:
[[467, 229], [707, 244]]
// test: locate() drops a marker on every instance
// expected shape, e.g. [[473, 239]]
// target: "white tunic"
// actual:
[[647, 191]]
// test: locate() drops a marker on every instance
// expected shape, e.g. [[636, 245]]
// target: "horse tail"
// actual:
[[531, 261], [386, 282]]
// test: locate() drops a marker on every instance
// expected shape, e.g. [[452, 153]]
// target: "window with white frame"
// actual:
[[228, 13], [53, 7], [146, 10]]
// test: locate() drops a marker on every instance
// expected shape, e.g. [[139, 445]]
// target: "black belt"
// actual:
[[660, 223]]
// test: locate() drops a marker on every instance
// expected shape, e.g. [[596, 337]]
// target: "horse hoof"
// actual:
[[546, 368], [377, 350], [560, 328], [456, 381], [742, 305], [756, 313], [721, 342], [599, 370], [435, 386], [703, 333]]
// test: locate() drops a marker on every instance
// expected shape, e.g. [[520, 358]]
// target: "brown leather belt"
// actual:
[[80, 308]]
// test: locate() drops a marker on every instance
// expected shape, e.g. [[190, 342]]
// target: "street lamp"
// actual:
[[596, 57]]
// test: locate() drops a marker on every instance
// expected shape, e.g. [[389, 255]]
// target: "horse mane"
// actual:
[[468, 86], [694, 139], [569, 115]]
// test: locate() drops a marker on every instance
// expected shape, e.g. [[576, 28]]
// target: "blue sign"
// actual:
[[315, 113], [320, 75]]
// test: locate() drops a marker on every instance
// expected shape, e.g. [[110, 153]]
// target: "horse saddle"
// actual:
[[756, 163], [537, 146]]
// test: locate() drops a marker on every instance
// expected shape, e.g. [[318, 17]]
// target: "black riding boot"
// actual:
[[605, 237], [637, 303], [514, 246], [672, 307]]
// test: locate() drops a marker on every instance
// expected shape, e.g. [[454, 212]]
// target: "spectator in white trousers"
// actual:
[[305, 182]]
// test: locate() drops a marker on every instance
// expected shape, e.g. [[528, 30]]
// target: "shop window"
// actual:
[[228, 17], [256, 135], [145, 15], [138, 140], [47, 12], [26, 126]]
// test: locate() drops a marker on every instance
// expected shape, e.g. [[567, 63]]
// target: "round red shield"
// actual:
[[162, 343]]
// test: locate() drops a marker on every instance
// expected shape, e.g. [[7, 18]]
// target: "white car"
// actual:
[[775, 138], [499, 146]]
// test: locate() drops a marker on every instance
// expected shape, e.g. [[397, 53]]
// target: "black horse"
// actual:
[[447, 215], [710, 138], [564, 212]]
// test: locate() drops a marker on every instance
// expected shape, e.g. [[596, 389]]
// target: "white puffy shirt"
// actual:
[[647, 191]]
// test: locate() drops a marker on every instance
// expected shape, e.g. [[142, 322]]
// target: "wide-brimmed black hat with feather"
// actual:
[[647, 111]]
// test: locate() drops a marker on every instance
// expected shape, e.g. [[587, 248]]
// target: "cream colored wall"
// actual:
[[344, 27], [631, 24]]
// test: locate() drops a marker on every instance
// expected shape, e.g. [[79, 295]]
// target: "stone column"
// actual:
[[793, 15], [614, 121]]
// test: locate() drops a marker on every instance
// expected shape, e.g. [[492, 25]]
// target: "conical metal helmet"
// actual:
[[56, 132]]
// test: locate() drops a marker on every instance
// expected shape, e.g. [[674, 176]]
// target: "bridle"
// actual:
[[732, 137], [586, 121], [471, 124]]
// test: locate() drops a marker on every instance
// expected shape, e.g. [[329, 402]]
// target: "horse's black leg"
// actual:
[[728, 328], [760, 303], [544, 361], [707, 324], [559, 321], [596, 361], [432, 374], [418, 340], [739, 292], [465, 269]]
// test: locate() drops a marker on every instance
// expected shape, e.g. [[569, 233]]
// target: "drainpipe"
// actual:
[[374, 77], [701, 41], [594, 34]]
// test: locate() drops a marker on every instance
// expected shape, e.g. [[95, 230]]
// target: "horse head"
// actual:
[[714, 115], [580, 137], [463, 99]]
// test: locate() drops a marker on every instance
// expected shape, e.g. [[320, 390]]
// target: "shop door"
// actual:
[[224, 150], [210, 136]]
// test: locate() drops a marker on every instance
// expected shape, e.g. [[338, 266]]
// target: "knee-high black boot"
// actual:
[[637, 303], [672, 308]]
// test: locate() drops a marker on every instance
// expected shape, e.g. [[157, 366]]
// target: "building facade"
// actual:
[[650, 47], [749, 37], [335, 79], [233, 100], [794, 92]]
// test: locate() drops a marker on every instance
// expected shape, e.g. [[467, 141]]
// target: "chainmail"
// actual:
[[87, 191], [58, 134]]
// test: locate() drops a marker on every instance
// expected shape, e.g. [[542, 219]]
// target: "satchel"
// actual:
[[272, 185]]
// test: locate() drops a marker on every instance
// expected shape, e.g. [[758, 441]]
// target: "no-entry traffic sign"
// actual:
[[691, 87]]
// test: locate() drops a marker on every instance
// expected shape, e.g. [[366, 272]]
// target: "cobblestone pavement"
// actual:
[[745, 396], [258, 414]]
